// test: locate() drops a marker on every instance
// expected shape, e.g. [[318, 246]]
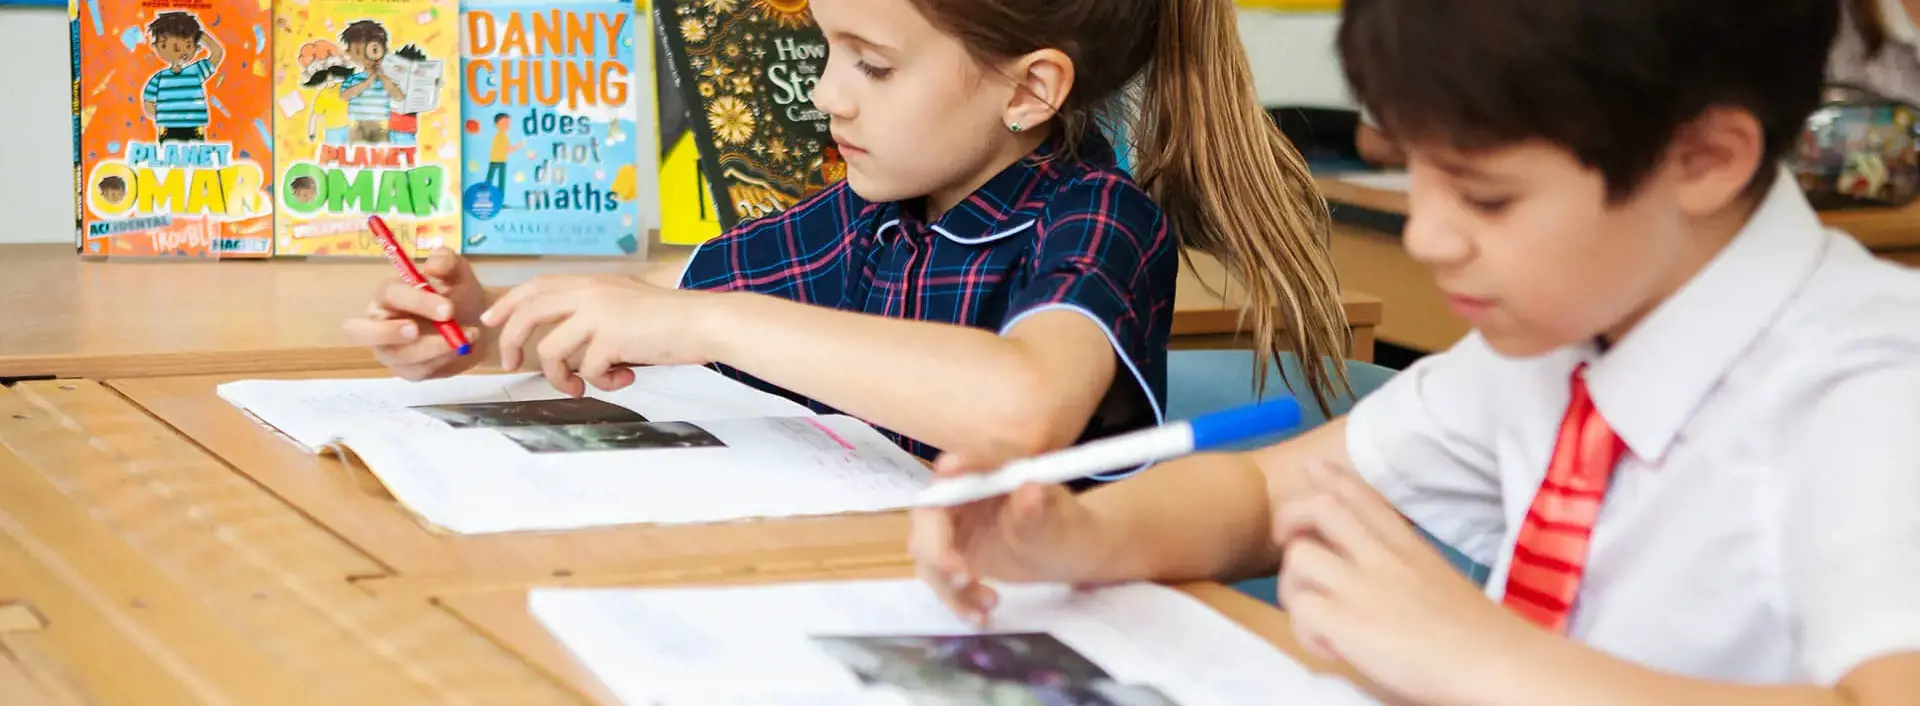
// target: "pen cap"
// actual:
[[1229, 426]]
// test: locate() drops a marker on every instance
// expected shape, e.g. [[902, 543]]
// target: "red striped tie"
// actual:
[[1552, 549]]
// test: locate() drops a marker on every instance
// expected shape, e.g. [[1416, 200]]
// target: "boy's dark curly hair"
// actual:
[[364, 32], [113, 183], [178, 25]]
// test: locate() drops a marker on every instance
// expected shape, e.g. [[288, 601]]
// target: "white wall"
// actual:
[[36, 131], [1294, 62], [1292, 56]]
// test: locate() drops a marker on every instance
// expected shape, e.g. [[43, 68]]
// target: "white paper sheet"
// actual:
[[418, 80], [681, 444], [475, 481], [1138, 645], [313, 412]]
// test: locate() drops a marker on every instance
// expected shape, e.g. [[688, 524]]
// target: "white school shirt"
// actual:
[[1764, 524]]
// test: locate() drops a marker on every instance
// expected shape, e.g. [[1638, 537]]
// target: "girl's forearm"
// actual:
[[956, 388]]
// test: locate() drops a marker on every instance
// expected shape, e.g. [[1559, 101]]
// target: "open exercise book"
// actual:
[[499, 453], [892, 642]]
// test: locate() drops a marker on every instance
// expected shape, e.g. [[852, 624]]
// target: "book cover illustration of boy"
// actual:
[[497, 151], [550, 103], [361, 127], [173, 156], [175, 98], [369, 93]]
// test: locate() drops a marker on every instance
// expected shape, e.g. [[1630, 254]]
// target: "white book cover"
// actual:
[[892, 642], [503, 453]]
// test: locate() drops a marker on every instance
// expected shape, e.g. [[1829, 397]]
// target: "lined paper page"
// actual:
[[893, 642]]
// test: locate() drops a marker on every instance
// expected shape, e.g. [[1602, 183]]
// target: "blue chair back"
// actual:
[[1201, 381]]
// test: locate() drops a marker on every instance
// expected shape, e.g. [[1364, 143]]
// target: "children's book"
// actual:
[[366, 122], [172, 155], [687, 216], [550, 104], [746, 71], [893, 642], [504, 453]]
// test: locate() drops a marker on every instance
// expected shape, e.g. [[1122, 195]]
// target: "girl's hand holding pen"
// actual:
[[399, 323]]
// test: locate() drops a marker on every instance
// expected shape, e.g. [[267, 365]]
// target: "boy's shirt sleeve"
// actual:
[[1852, 530], [1107, 253], [1425, 441], [203, 69], [152, 92], [354, 79]]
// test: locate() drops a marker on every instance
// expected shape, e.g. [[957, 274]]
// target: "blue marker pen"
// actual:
[[1170, 440]]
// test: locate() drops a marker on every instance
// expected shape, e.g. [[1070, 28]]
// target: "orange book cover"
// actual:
[[173, 148]]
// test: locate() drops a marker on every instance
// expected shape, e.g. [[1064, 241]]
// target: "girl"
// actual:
[[327, 118], [984, 280]]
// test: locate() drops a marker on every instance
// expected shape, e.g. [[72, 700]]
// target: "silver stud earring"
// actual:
[[1014, 127]]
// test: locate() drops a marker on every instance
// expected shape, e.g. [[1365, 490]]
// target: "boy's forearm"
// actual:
[[957, 388], [1210, 516], [1199, 518]]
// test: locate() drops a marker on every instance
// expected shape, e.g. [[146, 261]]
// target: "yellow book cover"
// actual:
[[366, 122]]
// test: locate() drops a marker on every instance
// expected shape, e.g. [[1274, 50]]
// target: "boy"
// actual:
[[1683, 431], [369, 93], [175, 98], [112, 190], [304, 190], [502, 146]]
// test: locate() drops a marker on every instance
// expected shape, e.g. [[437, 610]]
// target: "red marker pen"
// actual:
[[456, 339]]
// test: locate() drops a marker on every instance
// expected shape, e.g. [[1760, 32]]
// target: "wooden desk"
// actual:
[[155, 579], [67, 317], [138, 569], [505, 617], [1368, 254]]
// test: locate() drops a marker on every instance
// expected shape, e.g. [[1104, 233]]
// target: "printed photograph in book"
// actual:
[[1006, 668], [531, 413], [550, 113], [366, 122], [172, 153], [612, 437], [747, 71]]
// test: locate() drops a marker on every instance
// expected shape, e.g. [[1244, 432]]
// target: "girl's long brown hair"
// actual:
[[1231, 185]]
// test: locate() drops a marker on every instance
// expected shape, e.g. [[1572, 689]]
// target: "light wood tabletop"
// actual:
[[157, 576], [1368, 253], [139, 568], [68, 317]]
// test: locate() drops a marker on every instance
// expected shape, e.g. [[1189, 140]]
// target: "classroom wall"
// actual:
[[1292, 56]]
